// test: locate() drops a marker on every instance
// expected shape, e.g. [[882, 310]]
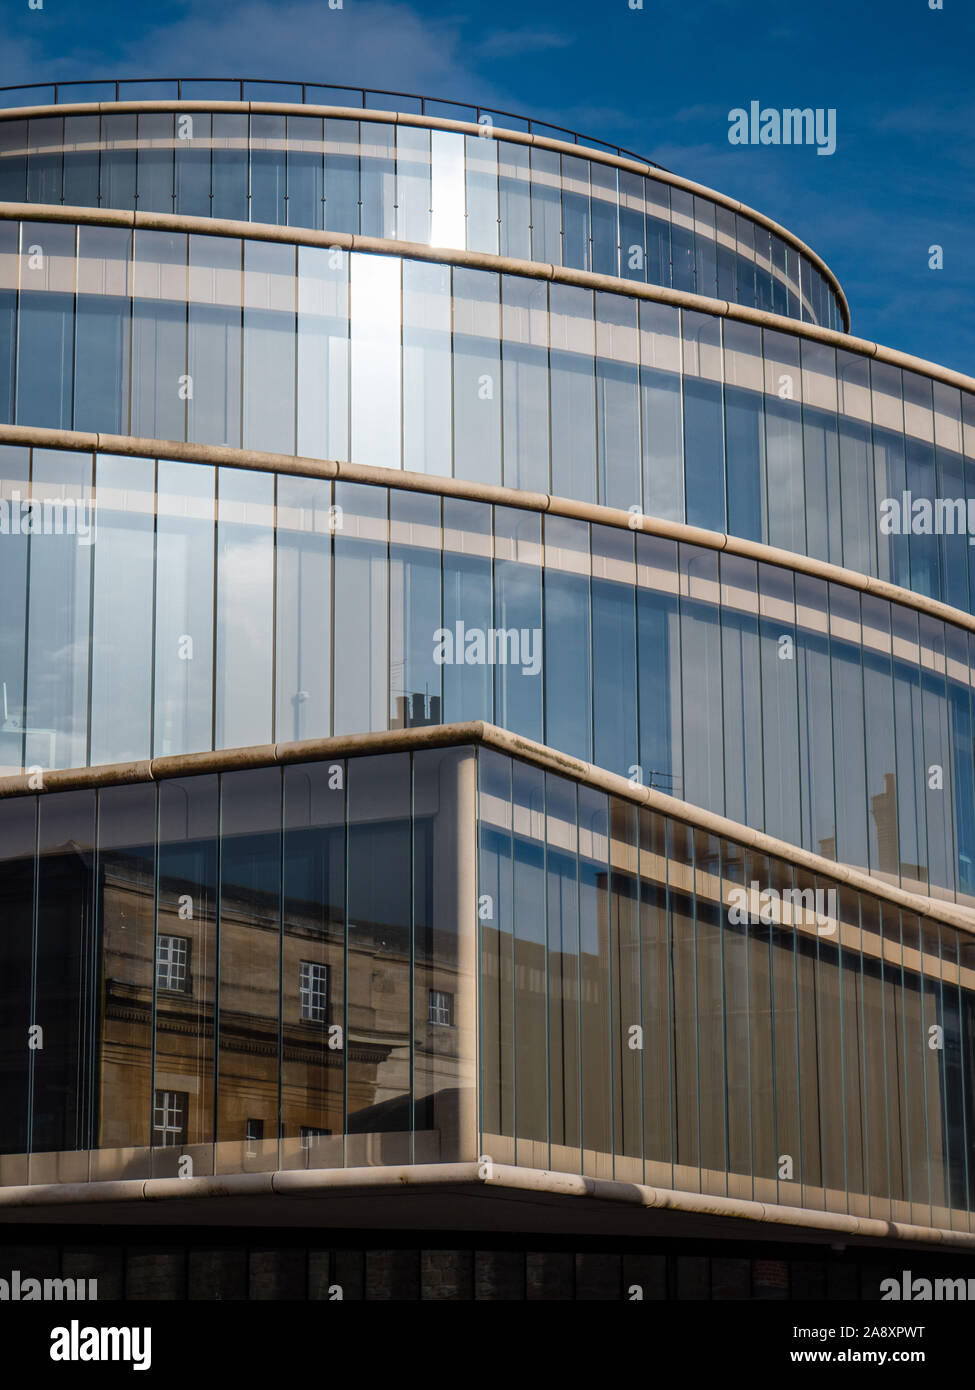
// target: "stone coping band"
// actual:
[[224, 456], [500, 1178], [488, 735], [480, 260]]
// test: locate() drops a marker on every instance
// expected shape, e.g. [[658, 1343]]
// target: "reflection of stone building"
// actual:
[[361, 1048]]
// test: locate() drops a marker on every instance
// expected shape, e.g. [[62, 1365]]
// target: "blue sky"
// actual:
[[660, 81]]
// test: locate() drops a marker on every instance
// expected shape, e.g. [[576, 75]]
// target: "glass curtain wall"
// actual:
[[242, 971]]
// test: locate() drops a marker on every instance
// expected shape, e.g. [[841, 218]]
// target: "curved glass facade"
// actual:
[[413, 183], [240, 926], [491, 378], [278, 968], [181, 608], [648, 1015], [390, 949]]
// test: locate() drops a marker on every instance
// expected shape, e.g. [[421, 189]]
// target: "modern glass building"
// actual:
[[485, 710]]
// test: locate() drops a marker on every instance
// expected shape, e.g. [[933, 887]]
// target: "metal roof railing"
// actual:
[[298, 93]]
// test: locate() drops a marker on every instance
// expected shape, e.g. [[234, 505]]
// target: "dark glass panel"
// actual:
[[17, 846], [124, 957], [248, 1046], [313, 965], [63, 997], [185, 971], [379, 969]]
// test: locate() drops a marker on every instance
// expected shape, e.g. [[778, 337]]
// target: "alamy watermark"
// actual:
[[753, 905], [908, 515], [18, 1289], [493, 646], [48, 516], [793, 125]]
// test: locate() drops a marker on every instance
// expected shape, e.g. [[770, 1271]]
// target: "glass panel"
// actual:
[[380, 915], [701, 675], [744, 416], [777, 637], [184, 608], [705, 249], [477, 376], [515, 200], [573, 392], [323, 352], [633, 228], [160, 386], [249, 990], [742, 690], [576, 212], [482, 193], [59, 589], [703, 425], [546, 206], [214, 355], [118, 161], [659, 252], [9, 238], [413, 188], [361, 616], [376, 334], [268, 168], [14, 489], [185, 966], [568, 648], [303, 558], [614, 661], [426, 368], [821, 453], [341, 175], [659, 664], [17, 832], [377, 167], [62, 1078], [13, 160], [313, 1060], [517, 645], [43, 171], [81, 149], [102, 330], [660, 399], [818, 808], [597, 1023], [562, 902], [605, 220], [245, 608], [415, 633], [230, 172], [467, 601], [783, 443], [193, 134], [125, 914], [121, 643], [848, 731], [306, 172], [530, 992], [45, 338], [524, 326], [447, 227], [618, 401], [156, 168], [269, 352]]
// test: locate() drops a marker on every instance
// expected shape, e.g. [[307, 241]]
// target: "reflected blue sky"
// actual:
[[660, 80]]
